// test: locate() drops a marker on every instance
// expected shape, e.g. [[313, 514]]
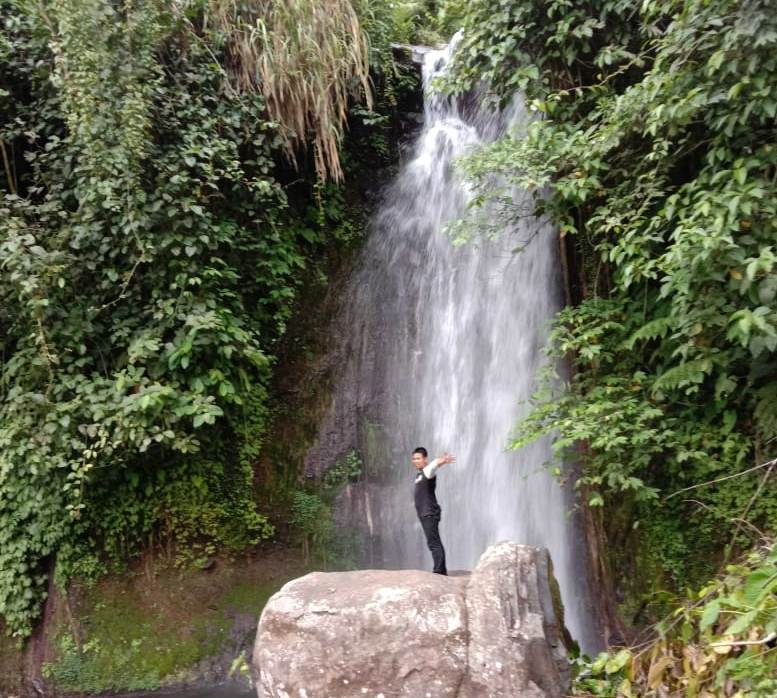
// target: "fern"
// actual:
[[651, 330], [765, 412], [687, 375]]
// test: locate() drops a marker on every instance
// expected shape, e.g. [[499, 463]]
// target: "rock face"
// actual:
[[411, 633]]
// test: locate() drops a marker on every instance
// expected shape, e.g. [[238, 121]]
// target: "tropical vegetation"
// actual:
[[172, 175], [652, 148], [169, 182]]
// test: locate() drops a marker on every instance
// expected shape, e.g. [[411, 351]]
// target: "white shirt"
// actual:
[[430, 469]]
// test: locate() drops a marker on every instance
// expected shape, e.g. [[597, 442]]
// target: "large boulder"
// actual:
[[381, 633]]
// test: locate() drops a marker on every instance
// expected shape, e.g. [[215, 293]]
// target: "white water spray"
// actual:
[[440, 343]]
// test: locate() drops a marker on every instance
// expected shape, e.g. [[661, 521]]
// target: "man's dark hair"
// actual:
[[421, 450]]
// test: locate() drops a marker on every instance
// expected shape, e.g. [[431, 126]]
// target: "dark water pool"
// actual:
[[215, 692]]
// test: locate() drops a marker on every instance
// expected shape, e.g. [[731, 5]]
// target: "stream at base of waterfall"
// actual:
[[437, 344]]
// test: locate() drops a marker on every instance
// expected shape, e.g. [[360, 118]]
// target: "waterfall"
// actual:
[[438, 344]]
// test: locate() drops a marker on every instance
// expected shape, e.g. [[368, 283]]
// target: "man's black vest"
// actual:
[[425, 499]]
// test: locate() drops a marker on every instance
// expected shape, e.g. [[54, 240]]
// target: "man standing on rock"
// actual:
[[426, 505]]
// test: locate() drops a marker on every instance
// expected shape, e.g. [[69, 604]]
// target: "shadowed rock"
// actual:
[[411, 633]]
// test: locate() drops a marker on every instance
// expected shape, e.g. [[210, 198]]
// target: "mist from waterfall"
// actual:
[[441, 343]]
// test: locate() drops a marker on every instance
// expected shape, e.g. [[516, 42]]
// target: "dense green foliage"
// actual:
[[150, 260], [655, 148], [425, 22], [720, 641]]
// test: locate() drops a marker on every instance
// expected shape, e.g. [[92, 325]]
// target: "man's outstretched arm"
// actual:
[[431, 468]]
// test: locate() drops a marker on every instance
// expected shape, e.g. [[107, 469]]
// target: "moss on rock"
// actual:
[[177, 628]]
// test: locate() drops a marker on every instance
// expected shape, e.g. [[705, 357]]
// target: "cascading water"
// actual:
[[438, 345]]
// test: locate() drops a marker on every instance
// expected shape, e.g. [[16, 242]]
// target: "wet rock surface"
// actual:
[[411, 633]]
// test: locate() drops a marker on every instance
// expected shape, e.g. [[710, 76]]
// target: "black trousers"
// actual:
[[431, 526]]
